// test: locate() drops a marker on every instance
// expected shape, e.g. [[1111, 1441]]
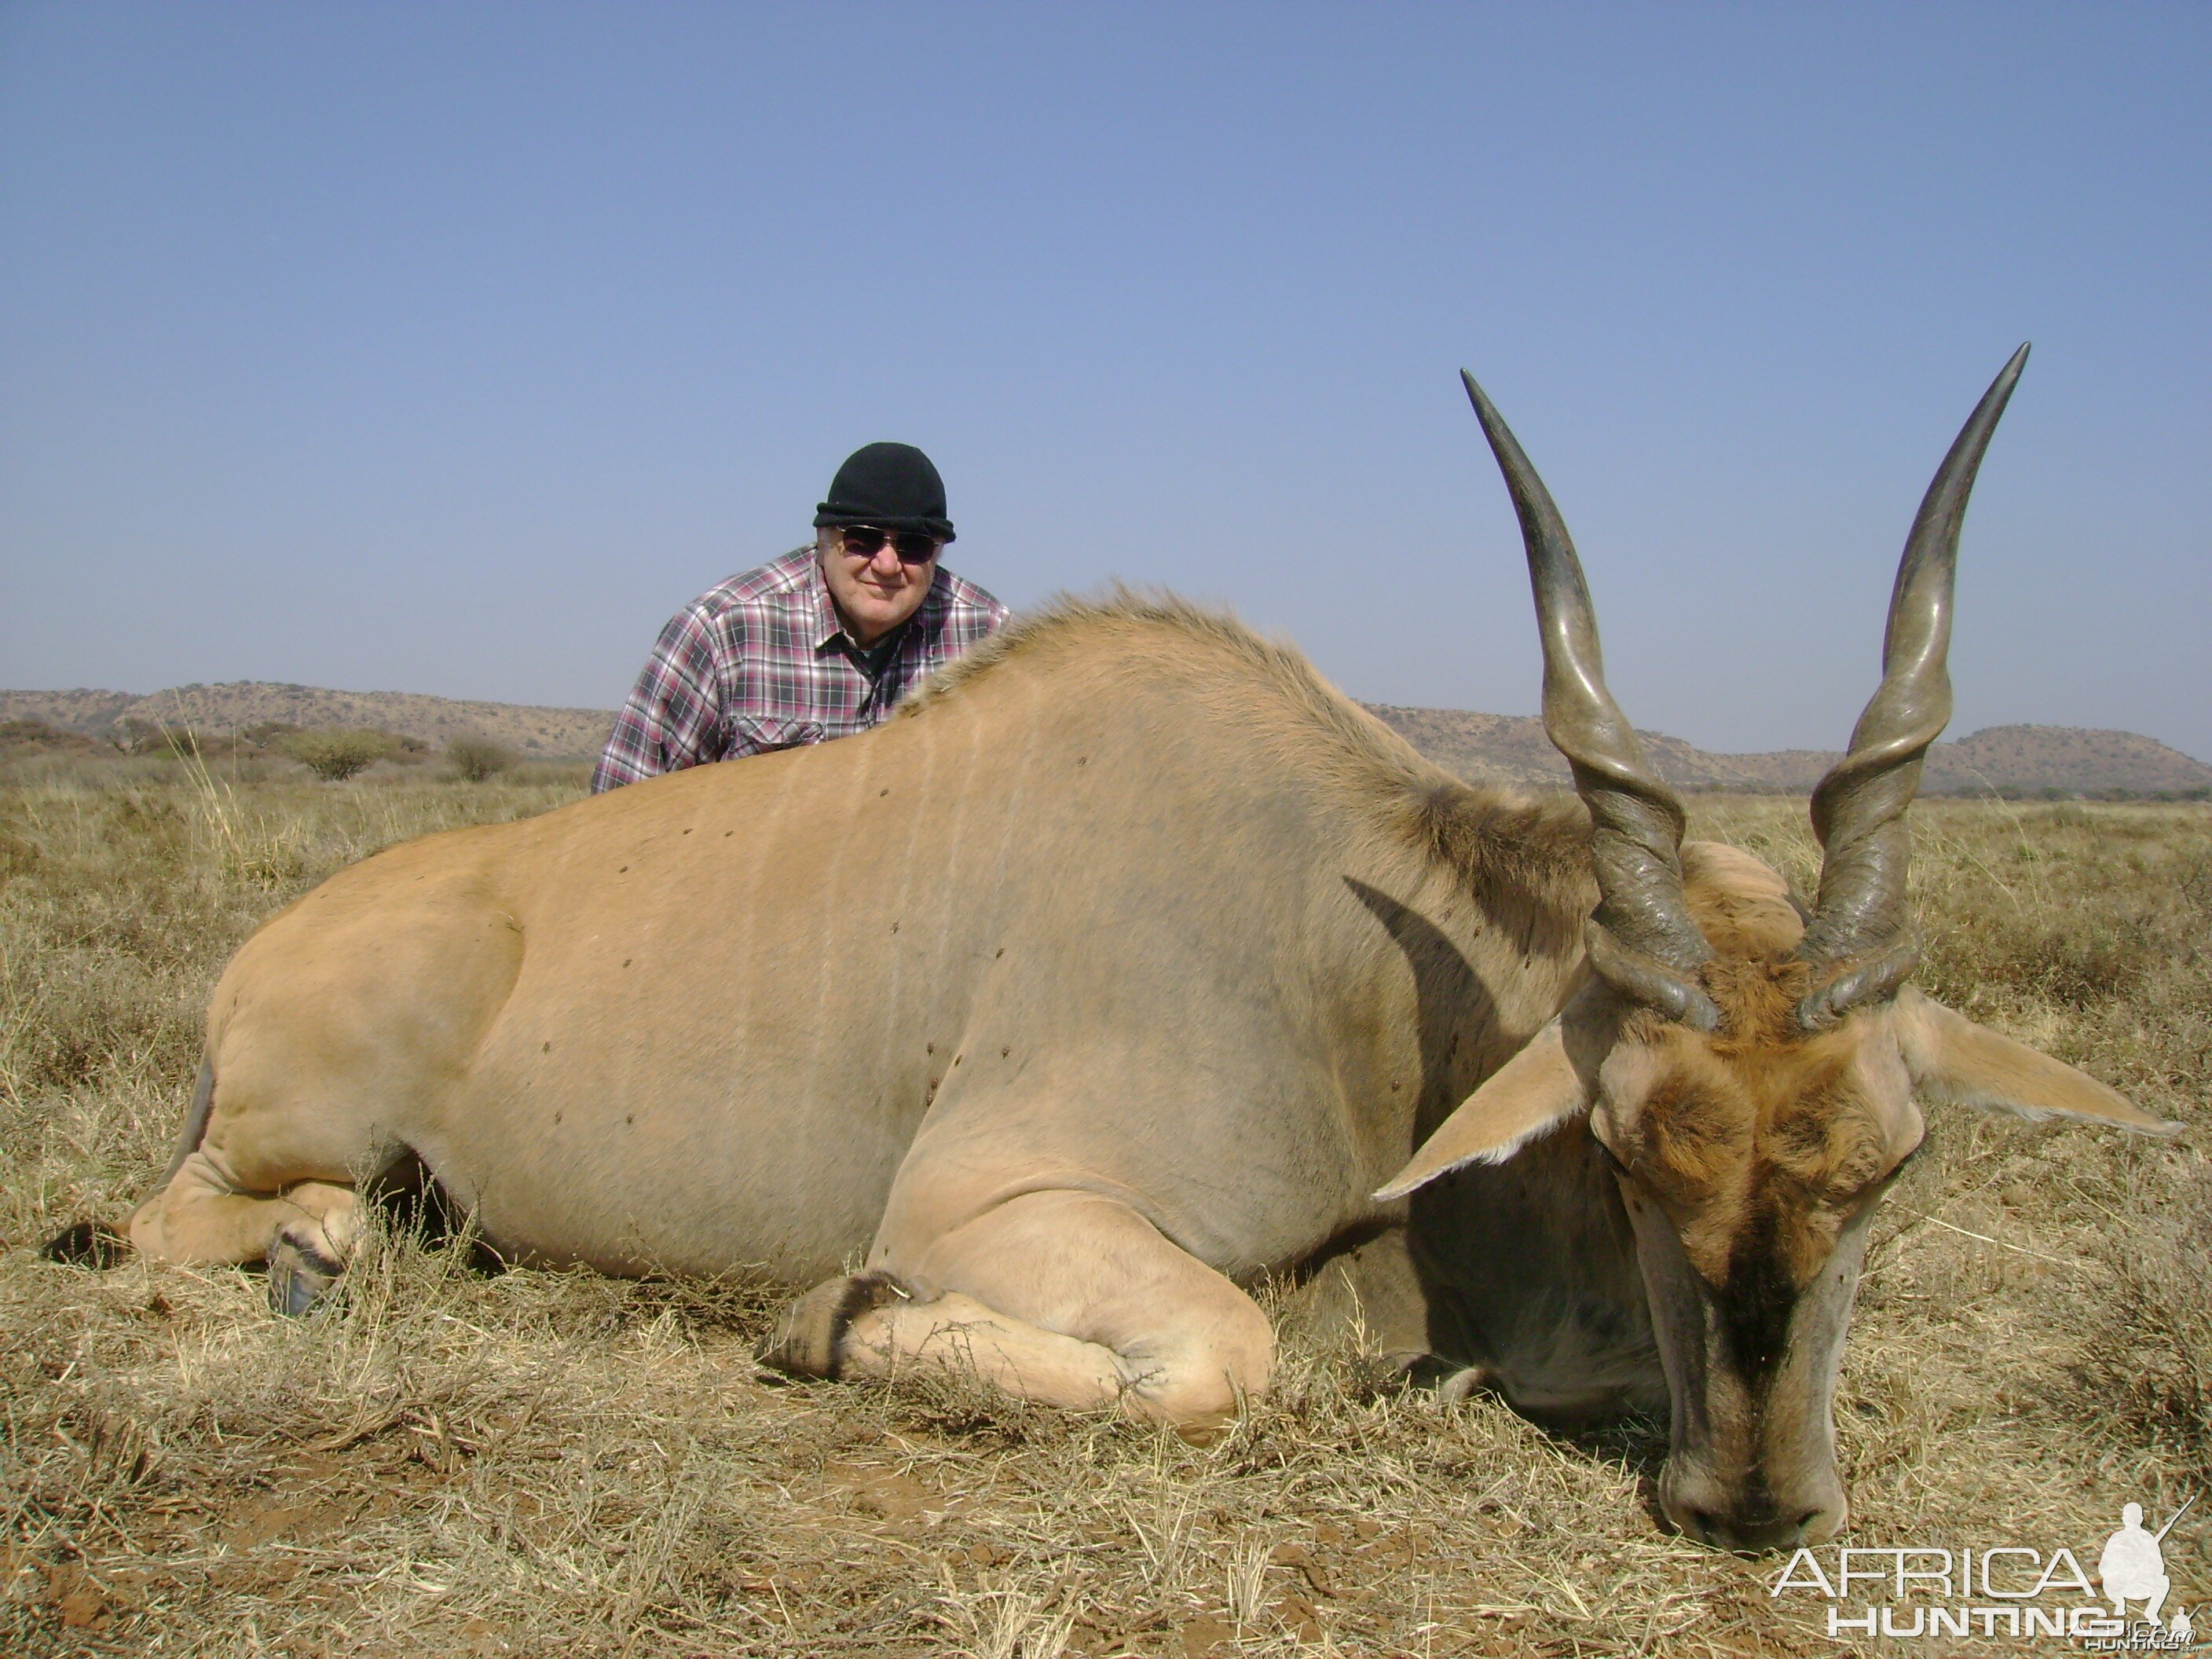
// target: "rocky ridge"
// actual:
[[1481, 748]]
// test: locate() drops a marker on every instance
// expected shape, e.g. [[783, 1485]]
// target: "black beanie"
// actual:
[[892, 486]]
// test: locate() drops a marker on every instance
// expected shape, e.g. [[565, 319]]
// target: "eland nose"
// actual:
[[1756, 1521], [1753, 1535]]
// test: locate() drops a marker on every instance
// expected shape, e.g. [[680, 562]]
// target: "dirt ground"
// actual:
[[458, 1461]]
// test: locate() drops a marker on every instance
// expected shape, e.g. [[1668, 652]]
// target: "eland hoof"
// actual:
[[300, 1275], [807, 1335], [1463, 1384], [87, 1244]]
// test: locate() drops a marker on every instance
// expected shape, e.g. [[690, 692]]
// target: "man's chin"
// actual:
[[880, 620]]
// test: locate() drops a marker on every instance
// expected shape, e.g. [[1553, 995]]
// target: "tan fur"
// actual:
[[1129, 925], [1528, 1094], [1742, 906], [1518, 848]]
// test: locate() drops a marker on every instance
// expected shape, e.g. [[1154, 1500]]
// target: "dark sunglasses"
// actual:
[[865, 541]]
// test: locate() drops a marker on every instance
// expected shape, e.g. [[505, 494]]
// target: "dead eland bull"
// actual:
[[1124, 968]]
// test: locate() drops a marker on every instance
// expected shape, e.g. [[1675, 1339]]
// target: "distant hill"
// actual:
[[539, 733], [1481, 748], [2023, 759]]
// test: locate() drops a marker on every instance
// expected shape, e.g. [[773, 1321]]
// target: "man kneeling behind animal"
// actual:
[[820, 643]]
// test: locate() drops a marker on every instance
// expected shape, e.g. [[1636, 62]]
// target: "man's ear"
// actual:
[[1952, 1059], [1527, 1095]]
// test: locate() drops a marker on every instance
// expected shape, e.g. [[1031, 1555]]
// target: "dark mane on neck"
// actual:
[[1495, 839]]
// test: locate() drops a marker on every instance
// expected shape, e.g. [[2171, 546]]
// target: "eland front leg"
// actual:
[[1068, 1297], [306, 1232]]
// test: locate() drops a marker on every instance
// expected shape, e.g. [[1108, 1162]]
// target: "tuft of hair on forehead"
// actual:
[[1757, 1136], [1756, 1133], [1742, 903], [1758, 997]]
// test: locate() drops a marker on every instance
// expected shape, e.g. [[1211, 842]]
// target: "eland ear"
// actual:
[[1952, 1059], [1527, 1095]]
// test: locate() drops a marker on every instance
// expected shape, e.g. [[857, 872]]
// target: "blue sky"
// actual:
[[449, 348]]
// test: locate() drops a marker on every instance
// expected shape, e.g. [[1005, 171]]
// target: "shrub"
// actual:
[[334, 757], [36, 737], [475, 758], [189, 744], [132, 736], [268, 734]]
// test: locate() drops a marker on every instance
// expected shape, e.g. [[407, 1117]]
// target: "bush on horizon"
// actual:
[[336, 756], [475, 758]]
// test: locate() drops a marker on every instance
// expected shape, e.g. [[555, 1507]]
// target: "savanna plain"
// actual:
[[460, 1460]]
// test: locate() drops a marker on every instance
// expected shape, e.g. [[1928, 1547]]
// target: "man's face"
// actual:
[[876, 581]]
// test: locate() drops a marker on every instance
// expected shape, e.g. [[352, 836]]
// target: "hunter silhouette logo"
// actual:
[[2000, 1590], [2133, 1567]]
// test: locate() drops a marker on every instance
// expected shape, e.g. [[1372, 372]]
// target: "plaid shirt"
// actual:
[[762, 662]]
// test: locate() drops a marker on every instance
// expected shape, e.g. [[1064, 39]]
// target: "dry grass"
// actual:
[[544, 1463]]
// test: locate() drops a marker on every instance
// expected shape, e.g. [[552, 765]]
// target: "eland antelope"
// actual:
[[1132, 963]]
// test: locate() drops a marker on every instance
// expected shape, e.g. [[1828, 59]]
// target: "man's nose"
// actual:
[[886, 563]]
